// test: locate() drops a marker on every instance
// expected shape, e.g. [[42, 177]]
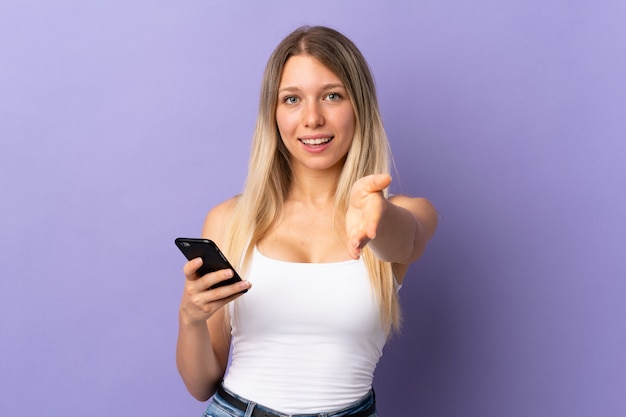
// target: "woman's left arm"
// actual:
[[397, 229]]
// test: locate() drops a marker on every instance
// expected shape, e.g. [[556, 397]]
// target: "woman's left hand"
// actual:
[[366, 208]]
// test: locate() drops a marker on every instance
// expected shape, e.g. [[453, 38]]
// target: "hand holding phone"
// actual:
[[212, 258]]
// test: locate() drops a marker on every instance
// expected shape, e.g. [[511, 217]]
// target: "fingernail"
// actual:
[[228, 273]]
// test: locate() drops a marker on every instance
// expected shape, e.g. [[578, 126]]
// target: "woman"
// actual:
[[316, 233]]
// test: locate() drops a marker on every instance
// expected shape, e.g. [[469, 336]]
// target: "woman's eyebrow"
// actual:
[[324, 87], [288, 89], [331, 86]]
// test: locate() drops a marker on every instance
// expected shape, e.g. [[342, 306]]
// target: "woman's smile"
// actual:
[[316, 143]]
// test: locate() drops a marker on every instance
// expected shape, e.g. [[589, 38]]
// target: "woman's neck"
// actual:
[[317, 188]]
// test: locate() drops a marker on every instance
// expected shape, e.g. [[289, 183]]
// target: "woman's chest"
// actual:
[[289, 298], [306, 239]]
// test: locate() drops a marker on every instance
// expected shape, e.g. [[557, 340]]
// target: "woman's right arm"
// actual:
[[203, 334]]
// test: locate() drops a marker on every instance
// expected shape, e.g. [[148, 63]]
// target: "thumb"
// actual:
[[377, 182]]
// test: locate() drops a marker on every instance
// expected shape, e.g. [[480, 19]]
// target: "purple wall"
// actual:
[[122, 123]]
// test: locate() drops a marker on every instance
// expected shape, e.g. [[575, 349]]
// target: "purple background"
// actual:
[[123, 122]]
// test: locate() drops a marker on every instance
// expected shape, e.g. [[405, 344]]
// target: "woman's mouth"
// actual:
[[316, 142]]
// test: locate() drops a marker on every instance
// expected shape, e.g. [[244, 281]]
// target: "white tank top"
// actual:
[[306, 337]]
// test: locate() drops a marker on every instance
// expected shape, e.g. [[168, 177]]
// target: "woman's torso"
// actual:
[[307, 337]]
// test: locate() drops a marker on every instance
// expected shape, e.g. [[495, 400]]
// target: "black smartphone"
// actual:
[[212, 258]]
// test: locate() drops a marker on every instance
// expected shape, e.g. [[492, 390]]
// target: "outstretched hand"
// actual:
[[366, 209]]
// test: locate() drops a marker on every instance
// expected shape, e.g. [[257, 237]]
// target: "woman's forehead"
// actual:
[[302, 71]]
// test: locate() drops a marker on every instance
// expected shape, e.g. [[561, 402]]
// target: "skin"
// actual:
[[312, 104]]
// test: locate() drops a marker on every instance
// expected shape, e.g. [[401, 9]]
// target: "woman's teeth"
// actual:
[[315, 141]]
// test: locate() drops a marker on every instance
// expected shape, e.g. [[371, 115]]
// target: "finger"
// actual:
[[358, 242], [226, 292], [190, 268], [371, 230], [213, 278], [363, 243], [356, 248], [358, 239], [376, 182], [223, 301], [354, 251], [196, 284], [206, 303]]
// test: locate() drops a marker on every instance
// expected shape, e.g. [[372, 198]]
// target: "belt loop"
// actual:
[[250, 409]]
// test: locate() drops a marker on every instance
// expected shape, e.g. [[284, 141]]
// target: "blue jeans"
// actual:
[[220, 408]]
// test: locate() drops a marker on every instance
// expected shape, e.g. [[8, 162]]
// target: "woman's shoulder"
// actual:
[[216, 220], [224, 209]]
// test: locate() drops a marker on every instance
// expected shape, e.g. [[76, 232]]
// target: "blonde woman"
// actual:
[[316, 233]]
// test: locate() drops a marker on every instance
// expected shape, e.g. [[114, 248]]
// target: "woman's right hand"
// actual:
[[199, 302]]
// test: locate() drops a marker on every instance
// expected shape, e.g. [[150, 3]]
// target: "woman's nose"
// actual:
[[313, 116]]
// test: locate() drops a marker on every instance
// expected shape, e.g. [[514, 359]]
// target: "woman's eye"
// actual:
[[333, 96], [291, 100]]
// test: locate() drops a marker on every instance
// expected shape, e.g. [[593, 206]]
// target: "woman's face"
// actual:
[[314, 115]]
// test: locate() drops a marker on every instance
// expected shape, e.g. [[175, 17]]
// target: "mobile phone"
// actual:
[[212, 258]]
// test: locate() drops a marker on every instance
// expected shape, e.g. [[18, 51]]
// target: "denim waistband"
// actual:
[[365, 407]]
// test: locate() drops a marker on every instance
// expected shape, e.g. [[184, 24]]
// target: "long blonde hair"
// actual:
[[269, 171]]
